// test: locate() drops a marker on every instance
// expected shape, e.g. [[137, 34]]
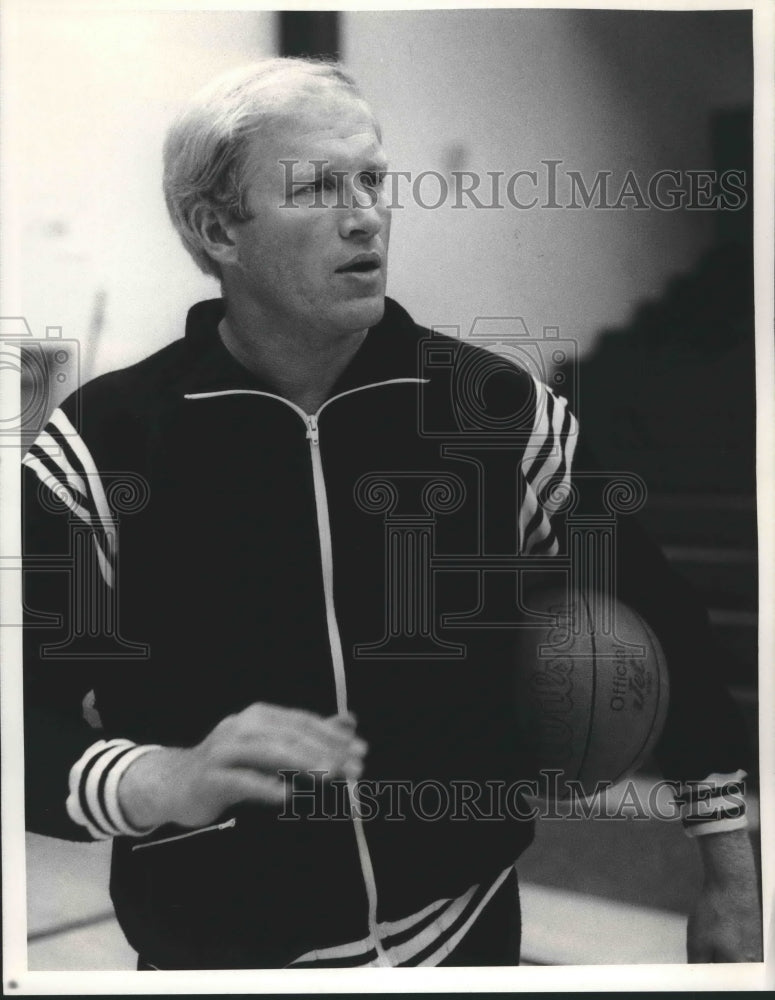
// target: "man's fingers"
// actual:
[[267, 739], [335, 731], [248, 785], [346, 719], [274, 751], [305, 741]]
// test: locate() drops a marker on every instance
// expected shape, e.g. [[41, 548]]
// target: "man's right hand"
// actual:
[[237, 762]]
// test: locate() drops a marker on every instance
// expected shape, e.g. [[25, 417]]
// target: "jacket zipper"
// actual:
[[335, 642], [334, 638], [228, 824]]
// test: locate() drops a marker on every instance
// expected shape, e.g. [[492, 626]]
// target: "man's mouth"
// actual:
[[364, 263]]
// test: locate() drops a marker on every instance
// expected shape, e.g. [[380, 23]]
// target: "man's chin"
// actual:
[[360, 314]]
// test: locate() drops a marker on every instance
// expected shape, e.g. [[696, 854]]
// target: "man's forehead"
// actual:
[[336, 126]]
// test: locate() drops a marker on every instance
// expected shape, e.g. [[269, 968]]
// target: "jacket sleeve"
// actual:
[[68, 544], [703, 746]]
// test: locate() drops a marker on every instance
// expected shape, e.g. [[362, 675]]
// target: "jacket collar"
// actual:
[[388, 351]]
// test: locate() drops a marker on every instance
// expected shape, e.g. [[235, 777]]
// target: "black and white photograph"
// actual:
[[388, 476]]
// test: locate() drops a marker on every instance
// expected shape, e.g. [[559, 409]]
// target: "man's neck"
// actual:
[[301, 366]]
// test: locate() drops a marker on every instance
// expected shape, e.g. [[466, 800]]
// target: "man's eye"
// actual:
[[312, 187], [372, 178]]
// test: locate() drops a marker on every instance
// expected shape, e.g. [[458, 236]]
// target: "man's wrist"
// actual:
[[728, 862], [93, 782], [143, 792]]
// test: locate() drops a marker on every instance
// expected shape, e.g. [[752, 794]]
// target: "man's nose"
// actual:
[[364, 215]]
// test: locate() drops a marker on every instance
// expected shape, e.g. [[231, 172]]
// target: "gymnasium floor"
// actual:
[[593, 892]]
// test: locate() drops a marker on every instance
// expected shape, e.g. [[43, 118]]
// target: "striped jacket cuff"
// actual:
[[93, 799], [715, 805]]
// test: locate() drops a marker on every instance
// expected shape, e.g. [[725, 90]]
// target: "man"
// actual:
[[255, 576]]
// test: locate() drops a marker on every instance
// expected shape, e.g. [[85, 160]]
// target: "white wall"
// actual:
[[505, 89], [91, 96], [91, 93]]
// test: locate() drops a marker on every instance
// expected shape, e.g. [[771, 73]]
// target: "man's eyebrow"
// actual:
[[309, 170]]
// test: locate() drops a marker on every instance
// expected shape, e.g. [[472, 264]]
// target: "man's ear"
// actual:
[[215, 230]]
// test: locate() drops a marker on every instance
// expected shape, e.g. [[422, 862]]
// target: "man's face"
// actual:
[[313, 257]]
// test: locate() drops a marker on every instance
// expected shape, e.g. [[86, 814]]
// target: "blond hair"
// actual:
[[206, 146]]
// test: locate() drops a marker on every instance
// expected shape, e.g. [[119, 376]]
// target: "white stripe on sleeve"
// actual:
[[715, 805], [464, 910], [534, 518], [57, 487], [93, 785], [46, 443], [59, 419]]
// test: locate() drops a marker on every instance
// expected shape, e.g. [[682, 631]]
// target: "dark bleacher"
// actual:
[[672, 397]]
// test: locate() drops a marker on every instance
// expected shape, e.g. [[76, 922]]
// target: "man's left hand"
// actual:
[[726, 924]]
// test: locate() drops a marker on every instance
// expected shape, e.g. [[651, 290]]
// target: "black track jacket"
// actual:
[[235, 550]]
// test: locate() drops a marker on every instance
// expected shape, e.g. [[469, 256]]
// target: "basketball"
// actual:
[[592, 690]]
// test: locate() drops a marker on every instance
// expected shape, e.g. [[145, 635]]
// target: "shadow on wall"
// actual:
[[672, 395]]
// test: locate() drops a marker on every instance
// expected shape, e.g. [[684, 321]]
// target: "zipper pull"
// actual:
[[312, 429]]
